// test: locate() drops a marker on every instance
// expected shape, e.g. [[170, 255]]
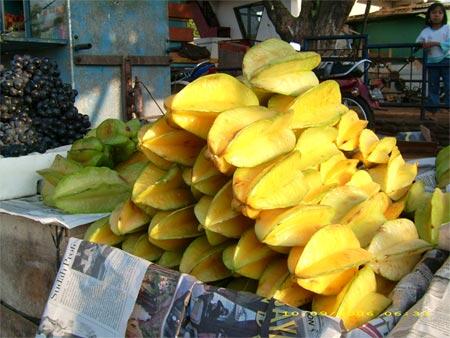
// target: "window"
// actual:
[[48, 19], [249, 18], [13, 18], [35, 20]]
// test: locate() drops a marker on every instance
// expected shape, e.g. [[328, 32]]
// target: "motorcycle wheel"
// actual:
[[361, 107]]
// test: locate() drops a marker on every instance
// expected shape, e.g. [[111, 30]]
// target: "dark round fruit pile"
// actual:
[[37, 109]]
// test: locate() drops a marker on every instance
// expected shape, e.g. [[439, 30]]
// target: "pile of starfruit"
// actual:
[[269, 184]]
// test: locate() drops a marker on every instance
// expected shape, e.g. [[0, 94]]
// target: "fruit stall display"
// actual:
[[265, 183], [37, 109]]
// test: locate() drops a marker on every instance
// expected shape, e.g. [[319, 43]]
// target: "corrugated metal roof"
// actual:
[[396, 11]]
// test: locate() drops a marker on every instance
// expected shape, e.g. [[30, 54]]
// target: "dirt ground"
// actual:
[[391, 120], [410, 113]]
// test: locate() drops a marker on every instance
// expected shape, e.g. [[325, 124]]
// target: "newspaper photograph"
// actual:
[[33, 208], [94, 293], [219, 312], [176, 315], [162, 298]]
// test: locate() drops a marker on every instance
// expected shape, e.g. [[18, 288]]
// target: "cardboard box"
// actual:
[[33, 238], [30, 256], [18, 177]]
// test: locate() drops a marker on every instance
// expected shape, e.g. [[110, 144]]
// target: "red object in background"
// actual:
[[356, 85], [14, 22], [231, 53]]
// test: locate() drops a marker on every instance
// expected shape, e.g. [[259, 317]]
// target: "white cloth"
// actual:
[[441, 35]]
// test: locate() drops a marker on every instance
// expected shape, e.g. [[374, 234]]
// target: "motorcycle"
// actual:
[[355, 93], [182, 78]]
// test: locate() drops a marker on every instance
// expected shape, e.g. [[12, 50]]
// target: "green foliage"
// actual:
[[191, 24]]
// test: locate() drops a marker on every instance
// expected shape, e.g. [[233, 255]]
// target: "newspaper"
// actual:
[[94, 292], [160, 308], [170, 304], [430, 316], [200, 310], [33, 208], [426, 172], [406, 293], [220, 312]]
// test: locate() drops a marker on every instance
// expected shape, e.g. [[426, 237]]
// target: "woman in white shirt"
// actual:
[[435, 38]]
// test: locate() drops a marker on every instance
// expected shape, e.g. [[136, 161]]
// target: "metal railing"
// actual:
[[416, 97], [379, 59], [356, 51]]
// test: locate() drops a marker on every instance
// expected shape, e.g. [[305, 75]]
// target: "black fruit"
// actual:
[[36, 107]]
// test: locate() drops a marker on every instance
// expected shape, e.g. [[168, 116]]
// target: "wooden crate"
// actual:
[[30, 253], [14, 325], [412, 150]]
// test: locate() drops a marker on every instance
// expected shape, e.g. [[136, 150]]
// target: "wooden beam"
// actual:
[[181, 34], [179, 11], [117, 60]]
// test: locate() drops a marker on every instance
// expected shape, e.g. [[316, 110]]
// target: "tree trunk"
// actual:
[[317, 18], [282, 19]]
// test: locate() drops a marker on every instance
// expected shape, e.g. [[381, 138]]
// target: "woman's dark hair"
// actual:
[[432, 8]]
